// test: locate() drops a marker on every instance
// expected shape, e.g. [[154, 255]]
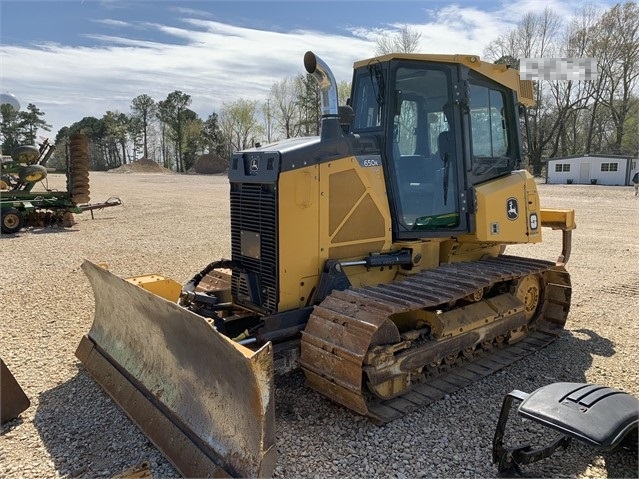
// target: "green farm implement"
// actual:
[[21, 205]]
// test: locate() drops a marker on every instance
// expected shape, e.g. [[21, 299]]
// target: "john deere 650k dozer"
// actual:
[[370, 256]]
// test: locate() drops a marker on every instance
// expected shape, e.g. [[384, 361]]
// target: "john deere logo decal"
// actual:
[[512, 209], [254, 165]]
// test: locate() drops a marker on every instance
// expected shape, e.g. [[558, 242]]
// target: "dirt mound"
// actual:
[[209, 164], [143, 165]]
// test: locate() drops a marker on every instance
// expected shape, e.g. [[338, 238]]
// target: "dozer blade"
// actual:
[[13, 400], [206, 402]]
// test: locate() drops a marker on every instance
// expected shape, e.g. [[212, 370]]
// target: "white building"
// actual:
[[592, 169]]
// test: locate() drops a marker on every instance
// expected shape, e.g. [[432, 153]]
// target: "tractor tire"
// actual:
[[12, 221], [25, 154], [32, 173]]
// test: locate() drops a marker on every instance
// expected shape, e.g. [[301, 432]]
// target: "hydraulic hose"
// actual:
[[189, 287]]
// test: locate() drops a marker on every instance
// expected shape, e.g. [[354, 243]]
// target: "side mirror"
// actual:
[[346, 117]]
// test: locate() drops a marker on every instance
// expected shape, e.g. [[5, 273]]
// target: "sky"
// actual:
[[77, 58]]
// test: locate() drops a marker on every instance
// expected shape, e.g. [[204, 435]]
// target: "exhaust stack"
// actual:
[[324, 77], [331, 128]]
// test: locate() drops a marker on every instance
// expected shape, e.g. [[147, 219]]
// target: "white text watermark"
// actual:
[[558, 69]]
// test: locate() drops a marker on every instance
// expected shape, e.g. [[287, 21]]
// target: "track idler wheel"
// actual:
[[529, 290], [79, 169]]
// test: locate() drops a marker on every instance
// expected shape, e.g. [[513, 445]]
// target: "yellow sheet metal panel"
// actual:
[[158, 285], [508, 210], [354, 212], [337, 210], [298, 236], [558, 219], [351, 189], [466, 249], [425, 255]]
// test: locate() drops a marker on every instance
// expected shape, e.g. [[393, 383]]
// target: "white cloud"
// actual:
[[191, 12], [111, 23], [214, 63]]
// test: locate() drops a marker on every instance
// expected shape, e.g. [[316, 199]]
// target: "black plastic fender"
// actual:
[[597, 415]]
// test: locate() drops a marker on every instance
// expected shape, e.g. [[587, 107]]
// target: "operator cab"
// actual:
[[445, 128]]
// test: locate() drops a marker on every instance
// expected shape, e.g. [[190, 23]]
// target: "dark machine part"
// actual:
[[13, 400], [599, 416]]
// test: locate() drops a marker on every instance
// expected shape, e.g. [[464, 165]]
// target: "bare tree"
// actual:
[[538, 35], [116, 128], [283, 104], [406, 40], [239, 123], [617, 45], [267, 113], [343, 91], [309, 113], [581, 42]]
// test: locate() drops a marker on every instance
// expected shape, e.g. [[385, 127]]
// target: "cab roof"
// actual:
[[501, 73]]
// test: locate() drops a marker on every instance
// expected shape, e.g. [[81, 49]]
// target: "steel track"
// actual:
[[343, 327]]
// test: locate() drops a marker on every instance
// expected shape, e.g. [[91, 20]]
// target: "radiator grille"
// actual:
[[254, 210]]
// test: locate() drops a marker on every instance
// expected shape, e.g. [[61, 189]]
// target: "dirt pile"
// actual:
[[143, 165], [209, 164]]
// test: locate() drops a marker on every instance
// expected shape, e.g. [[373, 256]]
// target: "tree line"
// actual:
[[580, 117], [570, 117], [169, 132]]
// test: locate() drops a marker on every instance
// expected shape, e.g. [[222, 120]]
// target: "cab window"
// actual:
[[368, 107], [491, 151]]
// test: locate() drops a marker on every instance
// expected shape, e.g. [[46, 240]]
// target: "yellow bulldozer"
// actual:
[[371, 256]]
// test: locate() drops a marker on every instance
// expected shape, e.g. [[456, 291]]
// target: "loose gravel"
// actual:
[[176, 224]]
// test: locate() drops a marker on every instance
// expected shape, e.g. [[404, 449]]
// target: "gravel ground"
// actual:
[[174, 225]]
